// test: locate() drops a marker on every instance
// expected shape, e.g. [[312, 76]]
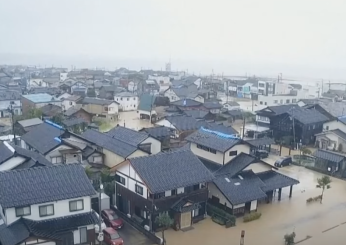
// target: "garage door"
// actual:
[[185, 220]]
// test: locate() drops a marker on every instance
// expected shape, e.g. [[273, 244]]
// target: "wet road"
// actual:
[[279, 218]]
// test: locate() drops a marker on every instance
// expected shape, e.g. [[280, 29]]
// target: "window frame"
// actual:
[[120, 178], [45, 206], [86, 235], [69, 204], [17, 208], [236, 153], [140, 188]]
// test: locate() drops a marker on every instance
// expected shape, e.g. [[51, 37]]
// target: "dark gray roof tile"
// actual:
[[274, 180], [237, 164], [159, 132], [73, 121], [96, 101], [43, 184], [171, 170], [329, 156], [306, 116], [260, 141], [5, 153], [127, 135], [212, 105], [339, 133], [186, 102]]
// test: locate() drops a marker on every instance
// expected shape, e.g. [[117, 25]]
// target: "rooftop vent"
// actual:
[[237, 183], [227, 179]]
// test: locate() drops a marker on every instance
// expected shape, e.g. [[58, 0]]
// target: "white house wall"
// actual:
[[165, 123], [76, 233], [61, 209], [155, 145], [218, 157], [334, 125], [113, 109], [127, 105], [112, 159], [239, 148], [5, 104], [171, 95], [214, 191], [11, 163], [253, 205]]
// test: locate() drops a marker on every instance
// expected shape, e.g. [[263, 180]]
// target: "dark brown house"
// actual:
[[78, 112]]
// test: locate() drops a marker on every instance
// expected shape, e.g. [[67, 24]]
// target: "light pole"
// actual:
[[100, 236]]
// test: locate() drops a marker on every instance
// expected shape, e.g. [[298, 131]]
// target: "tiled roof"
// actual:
[[232, 103], [238, 190], [73, 121], [220, 128], [159, 132], [172, 170], [212, 166], [212, 105], [42, 137], [9, 95], [51, 110], [260, 141], [212, 141], [329, 156], [5, 153], [275, 180], [306, 116], [339, 133], [72, 110], [186, 102], [198, 114], [127, 135], [33, 156], [116, 146], [237, 164], [183, 123], [125, 94], [43, 184], [55, 229], [30, 122], [95, 101]]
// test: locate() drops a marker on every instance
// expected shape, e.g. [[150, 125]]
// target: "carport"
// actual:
[[273, 181], [260, 144]]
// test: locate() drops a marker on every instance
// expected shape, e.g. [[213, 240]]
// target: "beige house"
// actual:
[[332, 140], [101, 108]]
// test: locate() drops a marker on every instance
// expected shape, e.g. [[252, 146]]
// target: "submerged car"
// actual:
[[112, 237], [261, 154], [112, 219]]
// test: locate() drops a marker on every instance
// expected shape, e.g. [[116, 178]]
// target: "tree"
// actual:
[[323, 183], [289, 238], [58, 119], [164, 221], [32, 113], [305, 151]]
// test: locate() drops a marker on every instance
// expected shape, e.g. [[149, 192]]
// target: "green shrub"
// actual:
[[289, 238], [314, 199], [218, 220], [222, 214], [252, 216]]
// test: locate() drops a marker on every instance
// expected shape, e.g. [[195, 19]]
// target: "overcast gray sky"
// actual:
[[299, 37]]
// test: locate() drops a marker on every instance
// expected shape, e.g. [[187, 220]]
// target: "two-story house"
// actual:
[[31, 101], [50, 140], [69, 102], [173, 183], [127, 101], [7, 99], [231, 105], [101, 108], [46, 205]]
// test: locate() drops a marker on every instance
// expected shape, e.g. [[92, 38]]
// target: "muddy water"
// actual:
[[279, 218], [130, 120]]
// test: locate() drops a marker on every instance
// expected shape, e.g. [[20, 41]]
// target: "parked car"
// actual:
[[284, 161], [112, 219], [103, 225], [261, 154], [112, 237]]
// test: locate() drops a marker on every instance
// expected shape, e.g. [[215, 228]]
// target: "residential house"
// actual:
[[127, 101], [231, 105], [281, 99], [109, 91], [161, 133], [76, 125], [149, 87], [23, 126], [163, 81], [331, 140], [47, 90], [31, 101], [70, 101], [51, 140], [183, 92], [31, 216], [36, 82], [329, 162], [275, 88], [187, 104], [15, 157], [178, 189], [200, 114], [78, 112], [79, 88], [209, 145], [49, 111], [213, 107], [10, 99], [101, 108], [146, 107], [298, 122], [241, 184]]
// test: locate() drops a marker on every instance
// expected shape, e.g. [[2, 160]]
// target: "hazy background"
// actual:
[[301, 38]]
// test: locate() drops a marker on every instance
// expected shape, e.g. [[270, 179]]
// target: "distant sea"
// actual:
[[300, 73]]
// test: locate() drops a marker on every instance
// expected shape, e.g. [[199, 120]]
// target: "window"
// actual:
[[46, 210], [313, 126], [128, 99], [188, 189], [206, 148], [174, 192], [287, 101], [110, 109], [23, 211], [121, 98], [265, 103], [70, 102], [134, 98], [275, 101], [327, 127], [120, 179], [56, 159], [196, 187], [106, 108], [76, 205], [212, 151], [83, 235], [294, 100], [159, 195], [233, 153], [261, 102], [139, 190]]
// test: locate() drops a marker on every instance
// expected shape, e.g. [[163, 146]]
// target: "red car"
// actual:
[[111, 219], [111, 237]]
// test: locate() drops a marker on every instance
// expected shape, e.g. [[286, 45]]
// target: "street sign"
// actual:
[[100, 237]]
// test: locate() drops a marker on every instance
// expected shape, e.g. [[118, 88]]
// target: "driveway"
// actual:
[[321, 222], [131, 236]]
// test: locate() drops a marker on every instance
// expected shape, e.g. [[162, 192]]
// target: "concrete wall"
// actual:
[[127, 103]]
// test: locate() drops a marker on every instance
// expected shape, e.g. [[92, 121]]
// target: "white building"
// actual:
[[69, 102], [127, 101], [280, 99], [31, 216]]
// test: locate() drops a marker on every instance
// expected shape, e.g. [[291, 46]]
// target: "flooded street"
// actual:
[[324, 223]]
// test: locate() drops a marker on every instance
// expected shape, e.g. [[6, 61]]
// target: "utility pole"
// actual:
[[10, 109], [243, 127], [100, 236], [294, 129]]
